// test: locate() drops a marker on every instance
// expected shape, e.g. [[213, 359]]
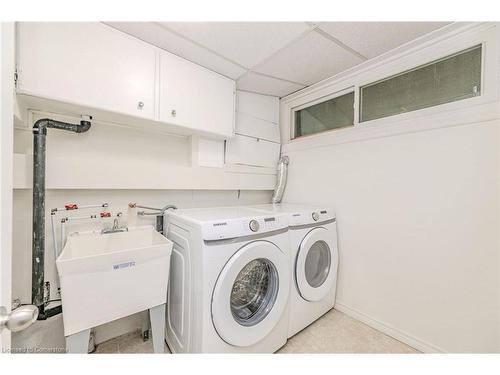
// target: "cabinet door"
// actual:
[[194, 97], [257, 128], [88, 64], [263, 107], [252, 151]]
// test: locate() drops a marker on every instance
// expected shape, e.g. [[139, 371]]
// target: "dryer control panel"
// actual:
[[234, 228], [307, 217], [299, 214]]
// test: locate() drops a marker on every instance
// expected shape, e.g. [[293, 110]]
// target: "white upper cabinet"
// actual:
[[194, 97], [257, 116], [252, 151], [87, 64], [257, 138], [257, 128], [115, 77], [263, 107]]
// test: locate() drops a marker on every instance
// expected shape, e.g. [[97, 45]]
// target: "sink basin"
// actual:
[[105, 277]]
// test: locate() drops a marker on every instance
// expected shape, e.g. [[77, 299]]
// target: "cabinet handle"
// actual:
[[174, 112], [140, 105]]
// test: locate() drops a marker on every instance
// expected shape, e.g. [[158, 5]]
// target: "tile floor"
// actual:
[[127, 344], [335, 332]]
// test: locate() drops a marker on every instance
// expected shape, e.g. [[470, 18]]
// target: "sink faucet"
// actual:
[[115, 228]]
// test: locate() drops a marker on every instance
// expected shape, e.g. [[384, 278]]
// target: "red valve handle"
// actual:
[[105, 214], [71, 206]]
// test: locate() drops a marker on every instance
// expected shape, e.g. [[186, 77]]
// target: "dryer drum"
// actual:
[[254, 292]]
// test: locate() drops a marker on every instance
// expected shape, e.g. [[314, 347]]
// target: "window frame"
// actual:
[[320, 100], [465, 50], [452, 39]]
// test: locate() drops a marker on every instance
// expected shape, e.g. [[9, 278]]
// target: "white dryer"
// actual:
[[314, 261], [229, 282]]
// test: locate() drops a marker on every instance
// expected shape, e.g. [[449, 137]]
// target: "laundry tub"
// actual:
[[105, 277]]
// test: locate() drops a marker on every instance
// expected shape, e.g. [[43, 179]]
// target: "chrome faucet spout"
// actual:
[[115, 229]]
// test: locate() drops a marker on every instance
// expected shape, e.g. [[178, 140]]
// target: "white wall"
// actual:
[[417, 222], [417, 204]]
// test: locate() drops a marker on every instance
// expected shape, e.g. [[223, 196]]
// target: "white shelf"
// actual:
[[27, 103], [64, 173]]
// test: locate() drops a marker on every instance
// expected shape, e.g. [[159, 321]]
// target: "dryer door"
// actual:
[[251, 293], [316, 264]]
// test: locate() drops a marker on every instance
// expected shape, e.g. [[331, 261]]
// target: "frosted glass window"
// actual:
[[330, 114], [453, 78]]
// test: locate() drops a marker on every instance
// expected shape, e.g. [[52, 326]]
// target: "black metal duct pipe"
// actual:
[[39, 146]]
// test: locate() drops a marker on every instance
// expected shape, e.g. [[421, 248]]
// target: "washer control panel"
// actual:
[[233, 228], [254, 225]]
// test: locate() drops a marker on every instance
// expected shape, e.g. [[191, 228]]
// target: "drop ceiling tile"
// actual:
[[246, 43], [309, 60], [374, 38], [266, 85], [153, 33]]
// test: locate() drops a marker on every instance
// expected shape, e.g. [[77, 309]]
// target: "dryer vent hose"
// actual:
[[282, 176]]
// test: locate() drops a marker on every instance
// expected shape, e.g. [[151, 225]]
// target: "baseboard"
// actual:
[[404, 337]]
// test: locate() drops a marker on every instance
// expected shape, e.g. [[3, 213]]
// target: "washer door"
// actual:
[[251, 293], [316, 265]]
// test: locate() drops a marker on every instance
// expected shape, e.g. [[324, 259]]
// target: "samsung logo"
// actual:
[[218, 224], [123, 265]]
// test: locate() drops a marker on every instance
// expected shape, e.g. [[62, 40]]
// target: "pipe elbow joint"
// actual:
[[40, 126], [285, 160], [84, 126]]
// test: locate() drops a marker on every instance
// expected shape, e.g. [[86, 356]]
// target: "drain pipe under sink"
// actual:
[[282, 177], [38, 249]]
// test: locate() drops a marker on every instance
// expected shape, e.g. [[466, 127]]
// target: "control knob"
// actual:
[[315, 216], [254, 225]]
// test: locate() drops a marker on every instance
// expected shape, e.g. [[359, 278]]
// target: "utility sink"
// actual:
[[109, 276]]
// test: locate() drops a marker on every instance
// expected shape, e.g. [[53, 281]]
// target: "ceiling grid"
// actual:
[[277, 58]]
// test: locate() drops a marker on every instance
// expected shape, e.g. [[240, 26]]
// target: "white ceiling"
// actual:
[[277, 58]]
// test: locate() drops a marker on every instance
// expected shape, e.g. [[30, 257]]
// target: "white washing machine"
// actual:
[[229, 281], [314, 261]]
